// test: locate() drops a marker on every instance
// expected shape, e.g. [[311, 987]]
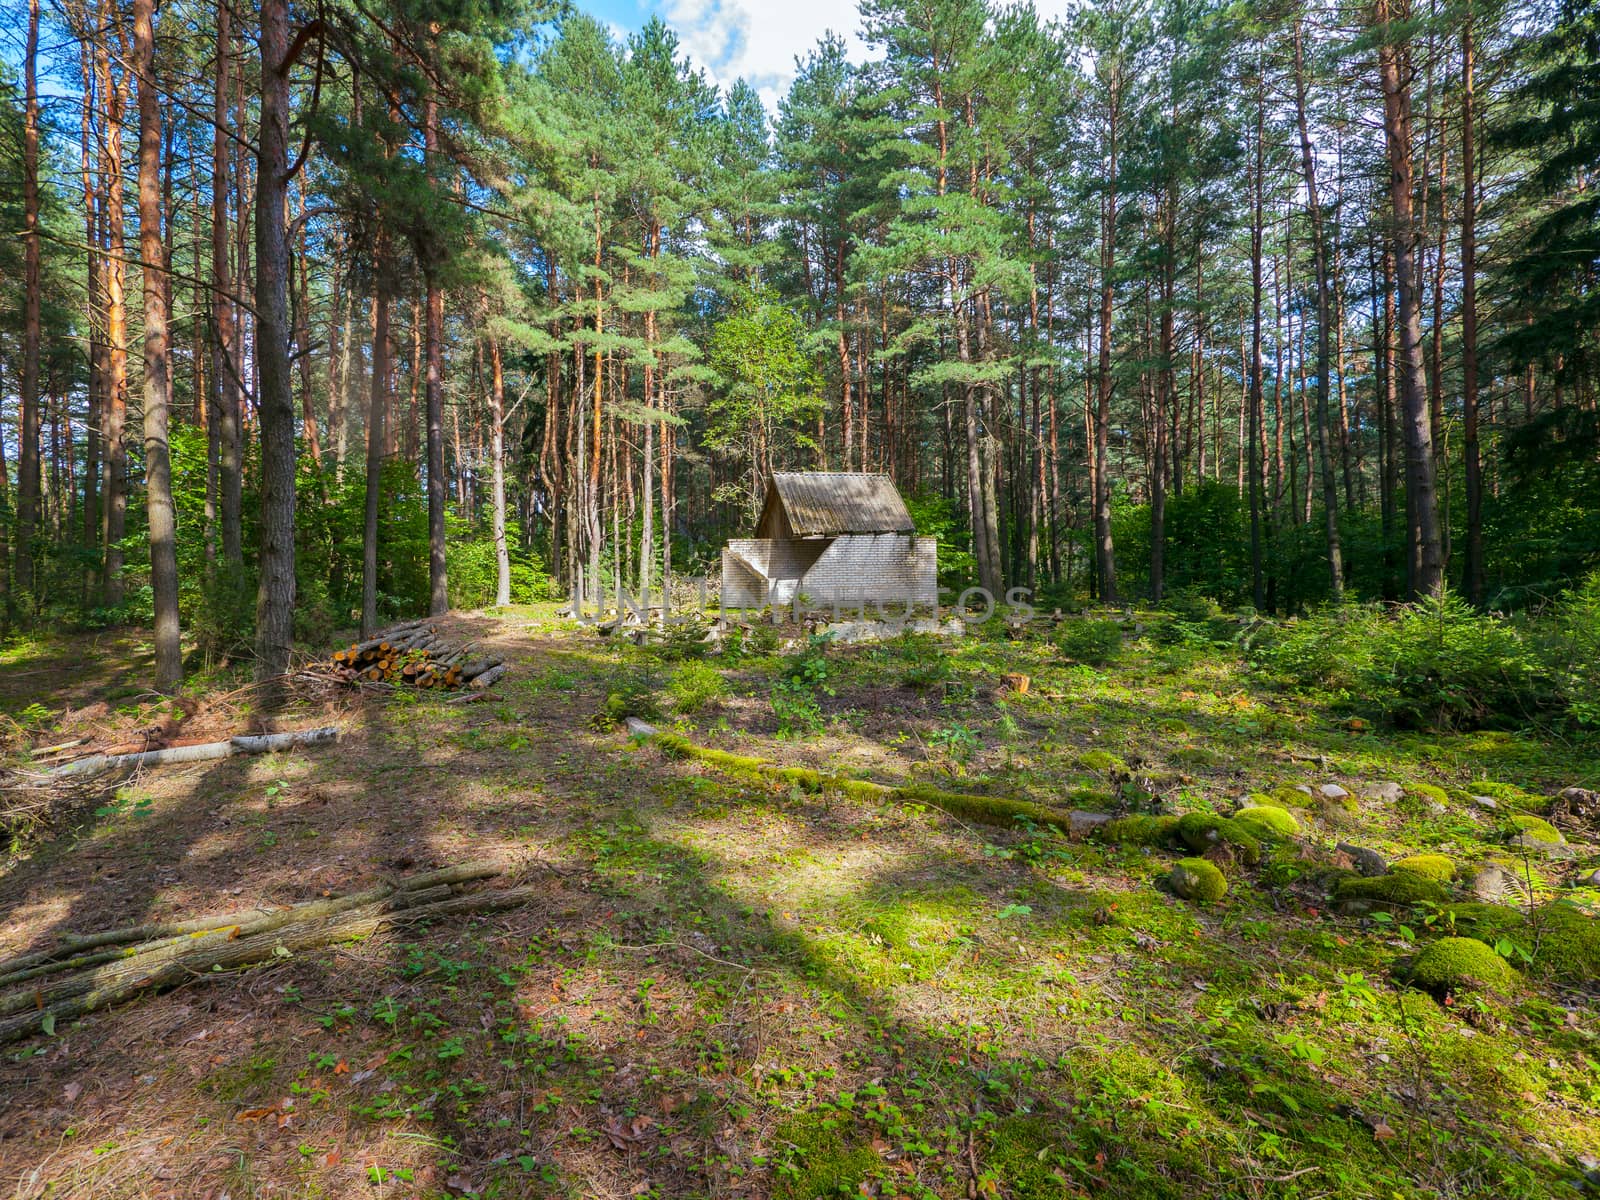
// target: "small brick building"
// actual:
[[834, 538]]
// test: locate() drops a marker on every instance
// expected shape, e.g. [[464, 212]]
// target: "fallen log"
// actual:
[[488, 678], [74, 944], [169, 966], [94, 764], [478, 666]]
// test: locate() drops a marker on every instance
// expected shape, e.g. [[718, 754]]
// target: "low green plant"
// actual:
[[696, 685], [1090, 642]]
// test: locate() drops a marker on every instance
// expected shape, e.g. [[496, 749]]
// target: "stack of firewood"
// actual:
[[413, 653]]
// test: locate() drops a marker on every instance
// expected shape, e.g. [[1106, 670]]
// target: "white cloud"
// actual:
[[759, 40]]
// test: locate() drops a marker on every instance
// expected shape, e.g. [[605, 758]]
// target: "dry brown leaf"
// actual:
[[1381, 1131]]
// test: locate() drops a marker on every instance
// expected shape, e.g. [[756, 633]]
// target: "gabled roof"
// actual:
[[830, 503]]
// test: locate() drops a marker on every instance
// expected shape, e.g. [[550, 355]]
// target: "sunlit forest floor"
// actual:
[[740, 986]]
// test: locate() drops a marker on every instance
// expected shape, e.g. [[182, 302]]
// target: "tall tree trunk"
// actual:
[[377, 411], [157, 364], [1469, 319], [225, 332], [29, 416], [1105, 552], [497, 465], [275, 395], [1425, 558], [94, 296], [1257, 583], [438, 585], [1319, 256], [114, 475]]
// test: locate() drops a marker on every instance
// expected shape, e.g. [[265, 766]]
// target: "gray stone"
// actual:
[[1367, 862], [1386, 790], [1333, 791], [641, 729], [1591, 880], [1300, 787], [1487, 803], [1081, 824], [1495, 885]]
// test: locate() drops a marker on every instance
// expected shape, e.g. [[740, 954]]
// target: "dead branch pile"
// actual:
[[92, 971], [413, 653]]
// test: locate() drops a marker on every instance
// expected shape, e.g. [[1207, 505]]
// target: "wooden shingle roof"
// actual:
[[830, 503]]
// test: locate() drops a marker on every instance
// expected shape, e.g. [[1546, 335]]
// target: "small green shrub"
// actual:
[[1198, 879], [1439, 663], [632, 697], [695, 685], [1092, 643], [1202, 831], [797, 710], [684, 640], [1458, 964], [1267, 821], [1430, 866]]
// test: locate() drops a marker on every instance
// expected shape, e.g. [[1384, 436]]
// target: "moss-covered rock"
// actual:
[[1459, 964], [1567, 946], [1430, 866], [1138, 830], [1202, 831], [1102, 760], [1426, 793], [1535, 829], [1267, 821], [1388, 892], [1199, 880], [1488, 922], [1285, 795]]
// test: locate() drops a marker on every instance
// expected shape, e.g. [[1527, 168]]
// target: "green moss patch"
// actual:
[[1458, 964], [1267, 821], [1202, 831], [1102, 760], [820, 1160], [1430, 866], [1507, 794]]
